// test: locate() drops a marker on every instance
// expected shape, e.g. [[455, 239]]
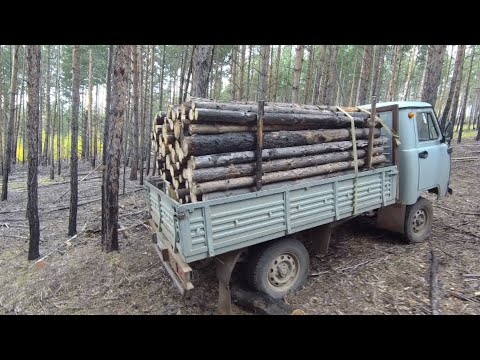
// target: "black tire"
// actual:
[[278, 267], [418, 221]]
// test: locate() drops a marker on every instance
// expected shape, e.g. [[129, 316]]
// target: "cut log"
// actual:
[[246, 190], [181, 193], [225, 159], [240, 170], [215, 144], [210, 129], [222, 185], [228, 116], [327, 120], [252, 105]]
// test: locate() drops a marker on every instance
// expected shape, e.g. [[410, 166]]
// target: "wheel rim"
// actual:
[[283, 272], [419, 221]]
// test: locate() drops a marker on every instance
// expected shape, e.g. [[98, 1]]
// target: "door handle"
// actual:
[[423, 155]]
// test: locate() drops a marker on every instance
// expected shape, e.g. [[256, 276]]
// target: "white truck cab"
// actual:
[[423, 158]]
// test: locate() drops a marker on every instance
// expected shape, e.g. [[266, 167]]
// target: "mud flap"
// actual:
[[320, 237], [225, 265], [392, 218]]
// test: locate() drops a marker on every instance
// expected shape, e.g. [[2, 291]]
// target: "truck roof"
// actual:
[[401, 104]]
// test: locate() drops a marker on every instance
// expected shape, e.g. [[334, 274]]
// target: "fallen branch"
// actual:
[[456, 211], [434, 284], [467, 158], [463, 297], [40, 263], [68, 206], [466, 232], [471, 275], [129, 227], [66, 192], [353, 267]]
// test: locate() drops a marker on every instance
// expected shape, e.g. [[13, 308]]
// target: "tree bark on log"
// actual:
[[245, 190], [240, 170], [201, 103], [215, 144], [212, 129], [225, 159], [222, 185], [325, 118]]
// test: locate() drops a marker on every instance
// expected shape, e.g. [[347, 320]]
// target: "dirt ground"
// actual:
[[366, 271]]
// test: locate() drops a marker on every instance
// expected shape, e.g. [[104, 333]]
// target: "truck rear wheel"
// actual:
[[418, 221], [278, 267]]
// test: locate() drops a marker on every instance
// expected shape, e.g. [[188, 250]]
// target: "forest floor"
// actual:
[[366, 271]]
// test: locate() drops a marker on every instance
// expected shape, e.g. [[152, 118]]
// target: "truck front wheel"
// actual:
[[418, 221], [278, 267]]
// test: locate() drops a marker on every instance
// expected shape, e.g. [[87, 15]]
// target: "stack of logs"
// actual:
[[206, 149]]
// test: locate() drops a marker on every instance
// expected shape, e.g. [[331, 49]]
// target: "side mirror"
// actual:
[[448, 132]]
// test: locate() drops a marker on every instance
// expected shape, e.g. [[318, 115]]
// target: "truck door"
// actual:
[[433, 155]]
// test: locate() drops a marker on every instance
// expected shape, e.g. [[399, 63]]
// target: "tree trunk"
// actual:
[[270, 76], [277, 72], [51, 155], [161, 78], [189, 73], [11, 123], [150, 113], [19, 112], [434, 72], [72, 221], [94, 140], [365, 75], [249, 78], [242, 71], [215, 144], [200, 70], [90, 139], [59, 114], [112, 173], [294, 174], [2, 117], [46, 153], [456, 97], [144, 82], [308, 85], [392, 95], [377, 75], [456, 78], [234, 72], [330, 81], [287, 79], [411, 70], [318, 78], [226, 159], [440, 104], [297, 72], [33, 80], [210, 66], [358, 83], [262, 86], [465, 98], [351, 97], [182, 72], [136, 121]]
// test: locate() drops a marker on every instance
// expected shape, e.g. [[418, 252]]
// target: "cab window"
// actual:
[[426, 127]]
